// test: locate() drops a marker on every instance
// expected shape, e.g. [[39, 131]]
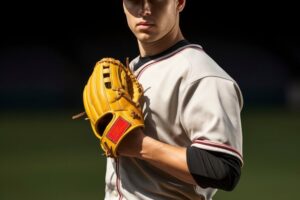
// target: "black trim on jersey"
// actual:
[[213, 169], [143, 60]]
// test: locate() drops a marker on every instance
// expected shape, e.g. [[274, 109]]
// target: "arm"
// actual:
[[167, 158], [191, 165]]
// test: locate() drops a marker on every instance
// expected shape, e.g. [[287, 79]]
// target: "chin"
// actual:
[[144, 37]]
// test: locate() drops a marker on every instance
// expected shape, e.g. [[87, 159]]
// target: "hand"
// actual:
[[111, 99]]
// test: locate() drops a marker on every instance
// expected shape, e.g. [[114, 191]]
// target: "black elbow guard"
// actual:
[[213, 169]]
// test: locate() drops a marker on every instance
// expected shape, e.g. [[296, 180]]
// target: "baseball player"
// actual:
[[191, 144]]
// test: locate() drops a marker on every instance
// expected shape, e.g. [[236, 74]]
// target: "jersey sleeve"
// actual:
[[210, 115]]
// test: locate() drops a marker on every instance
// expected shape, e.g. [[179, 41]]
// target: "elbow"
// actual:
[[231, 184], [224, 180], [230, 181], [213, 169]]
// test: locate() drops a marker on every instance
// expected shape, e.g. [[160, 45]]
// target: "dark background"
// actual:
[[48, 50]]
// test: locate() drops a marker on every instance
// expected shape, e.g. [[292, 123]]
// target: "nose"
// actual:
[[145, 9]]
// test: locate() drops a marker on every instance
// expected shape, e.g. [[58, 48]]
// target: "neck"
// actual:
[[158, 46]]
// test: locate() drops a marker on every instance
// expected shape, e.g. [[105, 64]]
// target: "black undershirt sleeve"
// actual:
[[213, 169]]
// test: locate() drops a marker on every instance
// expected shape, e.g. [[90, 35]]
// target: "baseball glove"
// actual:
[[111, 101]]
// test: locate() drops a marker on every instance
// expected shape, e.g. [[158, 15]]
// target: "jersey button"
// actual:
[[115, 193]]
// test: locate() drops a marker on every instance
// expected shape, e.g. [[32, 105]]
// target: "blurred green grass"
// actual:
[[46, 155]]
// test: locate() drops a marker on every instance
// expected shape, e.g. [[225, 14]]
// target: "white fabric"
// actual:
[[188, 100]]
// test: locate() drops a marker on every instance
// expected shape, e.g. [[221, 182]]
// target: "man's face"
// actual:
[[150, 20]]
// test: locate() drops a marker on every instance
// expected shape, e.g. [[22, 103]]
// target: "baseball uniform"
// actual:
[[189, 100]]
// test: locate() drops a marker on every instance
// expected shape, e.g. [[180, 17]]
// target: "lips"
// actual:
[[145, 24]]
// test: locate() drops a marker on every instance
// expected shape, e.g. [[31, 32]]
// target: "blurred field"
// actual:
[[46, 155]]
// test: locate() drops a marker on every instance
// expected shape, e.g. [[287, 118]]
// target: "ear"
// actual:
[[180, 5]]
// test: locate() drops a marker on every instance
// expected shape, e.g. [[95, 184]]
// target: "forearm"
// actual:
[[204, 168], [168, 158]]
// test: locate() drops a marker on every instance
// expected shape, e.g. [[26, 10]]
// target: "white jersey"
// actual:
[[188, 100]]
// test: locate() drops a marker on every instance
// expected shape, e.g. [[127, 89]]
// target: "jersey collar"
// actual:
[[142, 60]]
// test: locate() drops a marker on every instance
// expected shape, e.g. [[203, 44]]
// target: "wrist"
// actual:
[[131, 145]]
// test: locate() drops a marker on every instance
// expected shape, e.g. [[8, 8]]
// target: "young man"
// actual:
[[192, 141]]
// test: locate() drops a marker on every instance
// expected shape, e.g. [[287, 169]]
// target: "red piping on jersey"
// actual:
[[118, 179], [222, 146], [168, 56]]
